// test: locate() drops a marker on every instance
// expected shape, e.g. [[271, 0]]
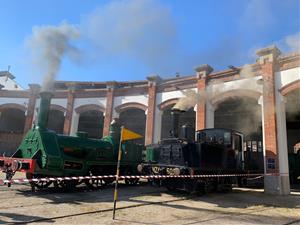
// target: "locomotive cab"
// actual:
[[220, 148]]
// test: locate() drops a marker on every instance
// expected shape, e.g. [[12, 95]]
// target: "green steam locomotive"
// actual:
[[43, 153]]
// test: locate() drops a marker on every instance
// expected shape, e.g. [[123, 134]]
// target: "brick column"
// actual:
[[70, 108], [109, 106], [274, 183], [34, 91], [152, 82], [202, 72], [267, 61]]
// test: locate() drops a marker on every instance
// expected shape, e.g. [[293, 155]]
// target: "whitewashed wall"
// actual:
[[9, 84], [20, 101], [286, 77]]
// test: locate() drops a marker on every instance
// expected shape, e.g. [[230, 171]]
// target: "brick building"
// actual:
[[261, 100]]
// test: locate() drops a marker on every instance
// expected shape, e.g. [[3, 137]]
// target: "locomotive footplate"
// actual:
[[11, 165]]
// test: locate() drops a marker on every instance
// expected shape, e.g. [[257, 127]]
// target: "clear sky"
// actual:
[[130, 39]]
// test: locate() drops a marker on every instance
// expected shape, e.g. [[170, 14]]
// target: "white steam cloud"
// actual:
[[290, 43], [48, 46], [139, 29], [191, 97], [189, 100]]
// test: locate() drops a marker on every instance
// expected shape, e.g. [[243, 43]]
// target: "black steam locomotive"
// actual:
[[215, 151]]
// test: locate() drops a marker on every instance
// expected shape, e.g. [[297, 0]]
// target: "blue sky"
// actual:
[[130, 39]]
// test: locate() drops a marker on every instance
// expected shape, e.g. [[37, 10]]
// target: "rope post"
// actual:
[[118, 173]]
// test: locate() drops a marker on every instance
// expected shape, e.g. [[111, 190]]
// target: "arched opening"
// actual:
[[188, 117], [134, 119], [91, 121], [293, 133], [12, 121], [243, 114], [56, 121]]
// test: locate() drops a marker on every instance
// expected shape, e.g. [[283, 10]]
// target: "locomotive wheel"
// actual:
[[225, 185], [65, 185], [200, 188], [94, 183], [131, 181], [170, 187], [170, 184], [108, 181], [40, 184], [242, 181]]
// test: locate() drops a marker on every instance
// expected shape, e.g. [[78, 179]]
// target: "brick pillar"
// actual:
[[152, 82], [69, 112], [34, 91], [202, 72], [267, 62], [109, 106], [274, 183]]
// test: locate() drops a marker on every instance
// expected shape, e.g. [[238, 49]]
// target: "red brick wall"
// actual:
[[108, 110], [150, 113], [201, 108], [270, 127]]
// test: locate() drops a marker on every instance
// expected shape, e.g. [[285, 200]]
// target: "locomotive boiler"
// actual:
[[44, 153], [204, 152]]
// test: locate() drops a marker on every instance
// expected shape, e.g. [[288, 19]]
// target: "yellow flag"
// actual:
[[129, 135]]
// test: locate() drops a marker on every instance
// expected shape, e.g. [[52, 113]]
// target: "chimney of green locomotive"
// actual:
[[44, 109]]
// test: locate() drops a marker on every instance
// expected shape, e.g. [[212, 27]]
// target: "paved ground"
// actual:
[[146, 205]]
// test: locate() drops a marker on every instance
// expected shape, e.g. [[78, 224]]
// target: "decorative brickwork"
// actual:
[[270, 127], [152, 88], [290, 61], [167, 103], [202, 74], [109, 106], [290, 87], [58, 108], [268, 60], [89, 107], [12, 106], [201, 106], [130, 105]]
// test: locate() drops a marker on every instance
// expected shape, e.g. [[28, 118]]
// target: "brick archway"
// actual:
[[234, 93], [13, 106], [162, 106], [91, 120], [89, 107], [290, 87], [58, 108], [130, 105]]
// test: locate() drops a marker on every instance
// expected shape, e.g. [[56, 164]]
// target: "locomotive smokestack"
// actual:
[[175, 113], [44, 109]]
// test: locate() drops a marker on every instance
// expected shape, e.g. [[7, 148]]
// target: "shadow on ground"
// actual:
[[16, 218]]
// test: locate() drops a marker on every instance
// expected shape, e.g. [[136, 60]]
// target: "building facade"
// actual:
[[261, 100]]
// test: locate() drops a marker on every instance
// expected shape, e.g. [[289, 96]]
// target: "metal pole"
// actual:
[[118, 173]]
